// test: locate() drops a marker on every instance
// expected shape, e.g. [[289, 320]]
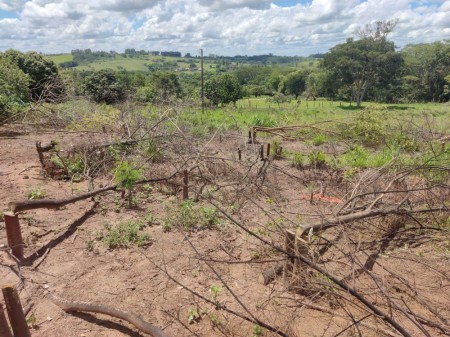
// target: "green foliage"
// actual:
[[39, 69], [367, 126], [190, 216], [223, 89], [125, 234], [152, 150], [294, 84], [103, 86], [298, 160], [163, 86], [319, 139], [257, 331], [263, 120], [14, 88], [358, 66], [318, 159], [193, 315], [427, 66], [36, 193], [215, 292], [126, 175]]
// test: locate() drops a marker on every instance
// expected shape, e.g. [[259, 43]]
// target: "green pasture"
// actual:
[[60, 58]]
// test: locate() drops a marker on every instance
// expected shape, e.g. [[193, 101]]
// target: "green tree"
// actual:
[[358, 66], [426, 66], [40, 70], [103, 86], [223, 89], [14, 90], [294, 83]]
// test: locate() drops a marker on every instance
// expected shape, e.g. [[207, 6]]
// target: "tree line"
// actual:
[[367, 68]]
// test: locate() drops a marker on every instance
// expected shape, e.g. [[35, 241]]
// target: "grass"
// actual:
[[126, 234]]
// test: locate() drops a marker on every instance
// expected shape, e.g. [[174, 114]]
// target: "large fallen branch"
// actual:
[[367, 213], [19, 206], [128, 316]]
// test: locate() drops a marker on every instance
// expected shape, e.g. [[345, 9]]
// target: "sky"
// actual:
[[223, 27]]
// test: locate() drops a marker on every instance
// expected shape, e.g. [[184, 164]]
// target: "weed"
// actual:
[[152, 151], [215, 292], [367, 126], [257, 331], [36, 193], [263, 120], [318, 159], [319, 139], [193, 315], [125, 234], [298, 160], [90, 245], [190, 216], [126, 177]]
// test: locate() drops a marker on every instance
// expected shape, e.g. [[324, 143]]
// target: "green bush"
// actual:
[[126, 234], [367, 127], [190, 216]]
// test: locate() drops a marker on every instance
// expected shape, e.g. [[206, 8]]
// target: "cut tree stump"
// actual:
[[14, 234], [15, 312]]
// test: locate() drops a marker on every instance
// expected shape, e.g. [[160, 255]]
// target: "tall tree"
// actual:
[[426, 67], [39, 69], [223, 89], [294, 83], [363, 64], [14, 91], [103, 86]]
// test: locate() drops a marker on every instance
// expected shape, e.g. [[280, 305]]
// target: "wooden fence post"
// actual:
[[185, 185], [261, 152], [239, 153], [14, 234], [15, 312], [268, 150], [4, 327]]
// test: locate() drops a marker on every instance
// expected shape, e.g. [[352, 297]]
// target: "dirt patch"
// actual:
[[80, 267]]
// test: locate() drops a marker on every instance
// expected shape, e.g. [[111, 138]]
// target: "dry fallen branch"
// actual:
[[128, 316], [19, 206]]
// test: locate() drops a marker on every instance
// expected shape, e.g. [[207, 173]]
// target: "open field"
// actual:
[[141, 63], [374, 181]]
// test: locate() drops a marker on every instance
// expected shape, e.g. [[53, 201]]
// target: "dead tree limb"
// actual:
[[128, 316], [19, 206], [344, 286]]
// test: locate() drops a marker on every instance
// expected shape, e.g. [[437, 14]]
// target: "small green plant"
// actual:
[[126, 177], [194, 315], [190, 216], [318, 159], [298, 160], [215, 292], [257, 331], [36, 193], [152, 151], [125, 234], [367, 126], [319, 139], [263, 120]]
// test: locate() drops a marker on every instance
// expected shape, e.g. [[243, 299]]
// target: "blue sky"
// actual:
[[226, 27]]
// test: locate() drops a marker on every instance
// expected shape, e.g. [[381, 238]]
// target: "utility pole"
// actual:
[[203, 89]]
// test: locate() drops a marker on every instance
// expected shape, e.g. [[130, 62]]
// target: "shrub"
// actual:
[[125, 234], [189, 216]]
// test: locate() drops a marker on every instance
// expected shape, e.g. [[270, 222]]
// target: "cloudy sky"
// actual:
[[225, 27]]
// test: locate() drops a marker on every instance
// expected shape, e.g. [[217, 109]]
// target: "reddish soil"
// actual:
[[80, 268]]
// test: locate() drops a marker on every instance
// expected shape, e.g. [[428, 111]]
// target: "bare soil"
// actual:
[[79, 267]]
